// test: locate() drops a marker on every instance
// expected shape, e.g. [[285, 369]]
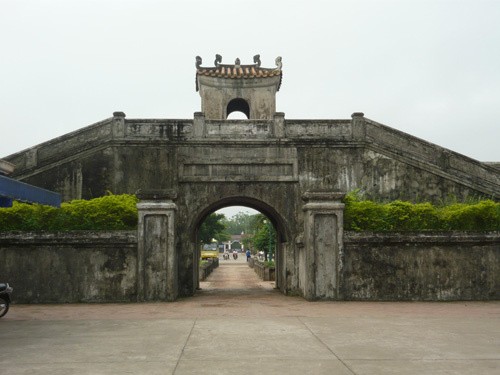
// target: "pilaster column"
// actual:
[[156, 255], [31, 157], [279, 125], [118, 125], [323, 244], [199, 126], [358, 126]]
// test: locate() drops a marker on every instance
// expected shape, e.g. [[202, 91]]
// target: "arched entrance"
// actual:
[[309, 252], [279, 223]]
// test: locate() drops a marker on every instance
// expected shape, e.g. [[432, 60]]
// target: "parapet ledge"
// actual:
[[156, 194], [321, 195], [437, 159], [90, 238], [427, 237]]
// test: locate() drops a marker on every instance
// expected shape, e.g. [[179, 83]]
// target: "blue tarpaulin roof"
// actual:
[[11, 189]]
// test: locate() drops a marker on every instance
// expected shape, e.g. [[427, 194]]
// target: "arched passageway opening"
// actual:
[[260, 233], [238, 106]]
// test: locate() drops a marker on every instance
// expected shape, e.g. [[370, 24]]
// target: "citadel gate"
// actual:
[[248, 164], [293, 171]]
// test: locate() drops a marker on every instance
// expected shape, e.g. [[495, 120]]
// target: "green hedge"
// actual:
[[115, 212], [361, 215], [110, 212]]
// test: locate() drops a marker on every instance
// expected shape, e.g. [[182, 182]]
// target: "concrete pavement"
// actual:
[[246, 327]]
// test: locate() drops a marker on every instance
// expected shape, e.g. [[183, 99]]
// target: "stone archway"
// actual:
[[309, 255], [279, 223]]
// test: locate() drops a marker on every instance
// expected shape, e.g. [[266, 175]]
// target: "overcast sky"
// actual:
[[428, 68]]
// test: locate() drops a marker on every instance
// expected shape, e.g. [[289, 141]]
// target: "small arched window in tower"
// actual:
[[238, 105]]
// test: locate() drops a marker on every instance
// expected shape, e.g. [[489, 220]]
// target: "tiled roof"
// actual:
[[237, 71], [240, 71]]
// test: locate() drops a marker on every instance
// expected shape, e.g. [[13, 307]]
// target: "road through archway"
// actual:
[[235, 278]]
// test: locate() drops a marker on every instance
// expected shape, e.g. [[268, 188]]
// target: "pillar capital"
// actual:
[[156, 195]]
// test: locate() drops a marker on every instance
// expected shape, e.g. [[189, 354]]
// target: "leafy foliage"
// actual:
[[110, 212], [241, 222], [115, 212], [363, 214], [269, 263], [484, 215], [213, 227], [262, 236]]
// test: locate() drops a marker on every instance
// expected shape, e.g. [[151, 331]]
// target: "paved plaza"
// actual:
[[239, 325]]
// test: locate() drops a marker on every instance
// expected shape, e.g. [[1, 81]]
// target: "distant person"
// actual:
[[248, 255]]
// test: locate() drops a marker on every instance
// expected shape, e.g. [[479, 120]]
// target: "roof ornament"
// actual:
[[237, 62], [256, 60], [198, 62], [218, 60], [278, 62]]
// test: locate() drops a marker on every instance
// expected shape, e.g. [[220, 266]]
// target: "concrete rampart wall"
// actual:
[[337, 155], [420, 266], [70, 267], [102, 266]]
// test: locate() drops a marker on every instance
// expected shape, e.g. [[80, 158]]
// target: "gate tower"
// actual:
[[245, 88]]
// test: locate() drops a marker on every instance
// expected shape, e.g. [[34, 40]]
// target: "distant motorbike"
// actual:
[[235, 255], [5, 291]]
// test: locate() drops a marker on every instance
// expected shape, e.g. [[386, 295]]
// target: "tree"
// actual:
[[241, 222], [264, 235], [213, 227]]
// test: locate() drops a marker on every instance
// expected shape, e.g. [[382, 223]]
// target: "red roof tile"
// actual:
[[237, 71]]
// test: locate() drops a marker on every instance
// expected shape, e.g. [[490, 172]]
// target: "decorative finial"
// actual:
[[237, 62], [198, 62], [278, 62], [218, 60], [256, 60]]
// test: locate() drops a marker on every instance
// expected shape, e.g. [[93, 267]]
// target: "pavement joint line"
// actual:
[[184, 346], [326, 346]]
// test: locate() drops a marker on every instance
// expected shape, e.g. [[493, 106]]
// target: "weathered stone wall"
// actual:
[[102, 267], [279, 201], [422, 266], [259, 93], [70, 267], [265, 164], [122, 156]]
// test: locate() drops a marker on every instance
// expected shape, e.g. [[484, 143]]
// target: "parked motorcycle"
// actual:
[[5, 291]]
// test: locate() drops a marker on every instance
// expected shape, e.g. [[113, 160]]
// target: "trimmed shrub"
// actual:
[[111, 212], [363, 215], [403, 216], [484, 215]]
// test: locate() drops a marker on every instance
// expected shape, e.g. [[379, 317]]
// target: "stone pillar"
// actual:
[[358, 126], [199, 127], [323, 244], [31, 157], [279, 125], [118, 125], [156, 254]]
